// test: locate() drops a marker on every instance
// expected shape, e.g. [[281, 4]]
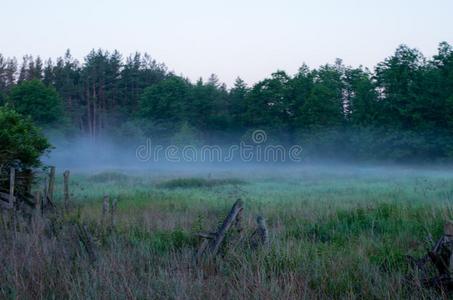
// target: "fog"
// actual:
[[84, 155]]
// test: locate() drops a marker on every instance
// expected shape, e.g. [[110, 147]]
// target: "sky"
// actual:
[[231, 38]]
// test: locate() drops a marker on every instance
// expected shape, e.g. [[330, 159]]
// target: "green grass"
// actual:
[[194, 182], [335, 233]]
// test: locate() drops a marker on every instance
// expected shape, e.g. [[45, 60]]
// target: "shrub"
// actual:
[[21, 142], [194, 182]]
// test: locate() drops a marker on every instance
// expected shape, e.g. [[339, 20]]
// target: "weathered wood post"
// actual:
[[235, 210], [212, 241], [37, 215], [51, 184], [66, 189], [441, 257], [12, 179], [260, 236], [105, 208], [38, 203], [238, 223], [448, 228], [87, 241], [112, 212], [262, 230], [45, 194]]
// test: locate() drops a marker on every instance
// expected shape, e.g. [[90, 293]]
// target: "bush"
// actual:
[[198, 182], [21, 142]]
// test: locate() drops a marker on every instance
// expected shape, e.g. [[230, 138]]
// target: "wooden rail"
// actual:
[[212, 241]]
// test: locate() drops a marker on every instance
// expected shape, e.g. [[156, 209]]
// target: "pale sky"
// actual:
[[248, 38]]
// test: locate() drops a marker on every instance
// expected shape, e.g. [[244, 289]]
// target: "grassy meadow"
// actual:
[[339, 232]]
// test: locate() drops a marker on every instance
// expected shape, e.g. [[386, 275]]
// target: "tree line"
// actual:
[[402, 110]]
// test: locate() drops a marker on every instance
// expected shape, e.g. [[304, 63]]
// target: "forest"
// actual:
[[401, 111]]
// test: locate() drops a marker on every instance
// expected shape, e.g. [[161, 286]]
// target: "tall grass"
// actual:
[[331, 236]]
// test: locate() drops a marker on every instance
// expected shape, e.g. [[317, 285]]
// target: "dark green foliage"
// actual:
[[207, 106], [400, 78], [237, 104], [21, 143], [323, 107], [362, 108], [268, 103], [32, 98], [165, 103], [402, 111], [198, 182], [138, 73]]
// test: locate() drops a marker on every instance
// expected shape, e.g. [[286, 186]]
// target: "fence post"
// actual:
[[51, 184], [66, 189], [112, 212], [262, 230], [212, 241], [12, 178], [105, 208], [38, 204], [235, 210], [45, 193]]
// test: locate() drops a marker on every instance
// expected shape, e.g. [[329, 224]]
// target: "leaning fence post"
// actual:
[[66, 188], [51, 184], [235, 210], [238, 223], [212, 246], [12, 178]]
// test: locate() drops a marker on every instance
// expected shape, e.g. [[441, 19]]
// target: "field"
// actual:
[[335, 232]]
